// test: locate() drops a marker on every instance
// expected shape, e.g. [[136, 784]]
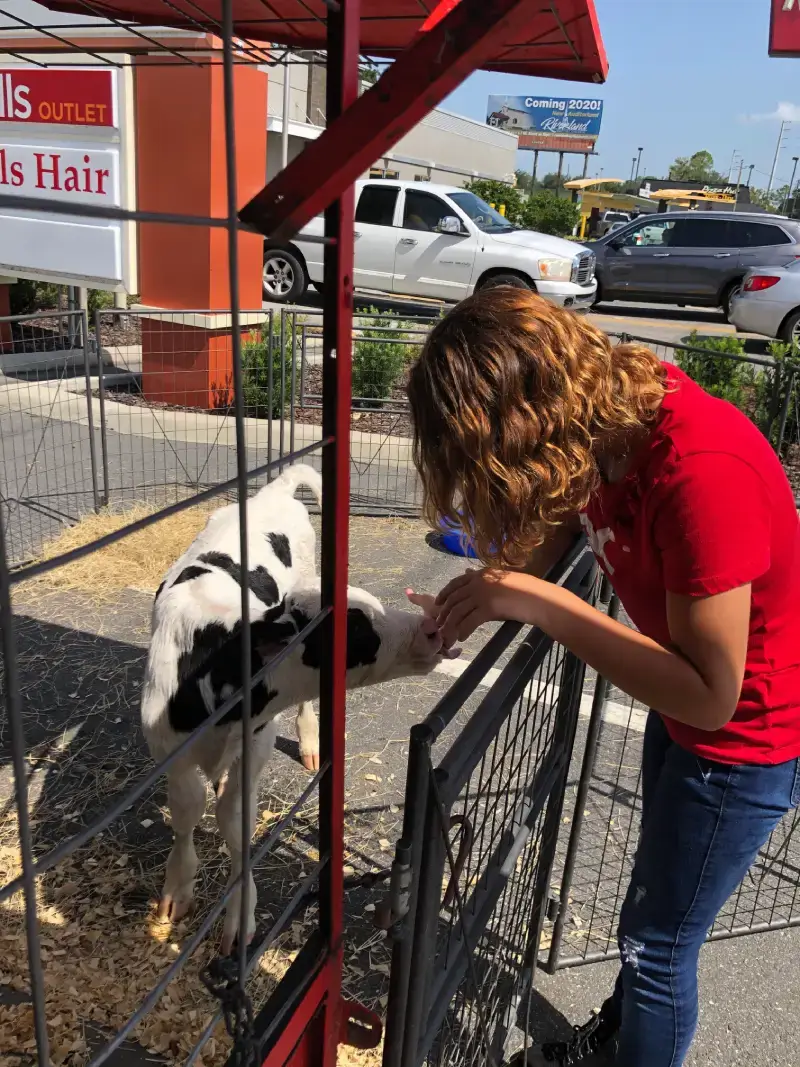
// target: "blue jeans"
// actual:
[[703, 824]]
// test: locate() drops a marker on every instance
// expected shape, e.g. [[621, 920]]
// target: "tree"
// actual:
[[368, 74], [552, 181], [698, 167], [523, 180], [772, 201]]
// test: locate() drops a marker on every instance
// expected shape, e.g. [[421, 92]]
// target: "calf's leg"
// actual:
[[186, 794], [229, 820], [308, 735]]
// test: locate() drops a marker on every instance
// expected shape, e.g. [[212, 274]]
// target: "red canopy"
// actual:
[[563, 40]]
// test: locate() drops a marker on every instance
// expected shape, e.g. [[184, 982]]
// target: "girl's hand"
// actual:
[[481, 596]]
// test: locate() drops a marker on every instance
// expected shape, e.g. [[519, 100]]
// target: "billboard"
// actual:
[[784, 28], [560, 124], [65, 135]]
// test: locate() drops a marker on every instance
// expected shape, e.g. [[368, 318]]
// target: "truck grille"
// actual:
[[583, 270]]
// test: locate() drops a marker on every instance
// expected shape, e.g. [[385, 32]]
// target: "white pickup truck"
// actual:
[[435, 241]]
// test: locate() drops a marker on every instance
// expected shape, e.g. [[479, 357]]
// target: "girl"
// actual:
[[528, 426]]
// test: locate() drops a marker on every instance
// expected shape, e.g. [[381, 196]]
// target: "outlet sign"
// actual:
[[57, 97], [63, 138], [784, 28]]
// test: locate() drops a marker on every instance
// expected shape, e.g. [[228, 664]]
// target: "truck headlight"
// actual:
[[557, 270]]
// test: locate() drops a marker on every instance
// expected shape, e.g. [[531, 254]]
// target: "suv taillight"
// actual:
[[759, 282]]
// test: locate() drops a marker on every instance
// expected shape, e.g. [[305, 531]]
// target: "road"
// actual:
[[661, 322]]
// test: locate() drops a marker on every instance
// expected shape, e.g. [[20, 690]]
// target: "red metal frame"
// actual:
[[337, 334], [419, 79], [563, 43]]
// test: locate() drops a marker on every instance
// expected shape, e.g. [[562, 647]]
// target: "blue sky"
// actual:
[[684, 75]]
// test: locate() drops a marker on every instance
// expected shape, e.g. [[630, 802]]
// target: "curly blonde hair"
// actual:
[[509, 397]]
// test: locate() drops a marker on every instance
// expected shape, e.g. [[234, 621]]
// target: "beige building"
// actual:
[[444, 147]]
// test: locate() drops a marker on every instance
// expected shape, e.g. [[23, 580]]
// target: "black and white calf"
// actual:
[[194, 665]]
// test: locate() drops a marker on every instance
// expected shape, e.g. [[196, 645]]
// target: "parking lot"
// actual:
[[662, 322]]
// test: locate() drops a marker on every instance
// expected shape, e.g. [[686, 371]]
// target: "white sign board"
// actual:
[[66, 136]]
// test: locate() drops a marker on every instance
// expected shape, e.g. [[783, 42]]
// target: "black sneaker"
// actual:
[[591, 1043]]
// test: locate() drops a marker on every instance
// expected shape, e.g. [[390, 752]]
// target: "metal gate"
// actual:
[[472, 869]]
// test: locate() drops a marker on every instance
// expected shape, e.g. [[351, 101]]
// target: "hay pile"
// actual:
[[103, 951], [139, 561]]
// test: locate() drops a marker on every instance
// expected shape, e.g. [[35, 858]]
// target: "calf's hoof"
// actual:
[[310, 759], [174, 906]]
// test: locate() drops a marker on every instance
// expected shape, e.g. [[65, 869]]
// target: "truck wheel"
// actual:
[[283, 278], [514, 280]]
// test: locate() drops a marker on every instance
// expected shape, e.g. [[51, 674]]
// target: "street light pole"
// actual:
[[778, 148], [730, 168], [738, 183], [639, 160], [786, 199], [633, 165], [750, 169]]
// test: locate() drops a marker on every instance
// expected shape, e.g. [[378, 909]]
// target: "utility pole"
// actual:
[[778, 148], [750, 169], [788, 196], [639, 160], [738, 183], [730, 168]]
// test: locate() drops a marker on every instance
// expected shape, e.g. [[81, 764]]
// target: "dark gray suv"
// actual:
[[691, 257]]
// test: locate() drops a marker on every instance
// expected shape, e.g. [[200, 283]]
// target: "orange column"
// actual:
[[180, 131]]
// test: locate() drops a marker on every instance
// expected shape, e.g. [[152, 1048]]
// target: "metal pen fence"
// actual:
[[88, 421], [148, 430], [76, 866], [594, 861], [468, 907]]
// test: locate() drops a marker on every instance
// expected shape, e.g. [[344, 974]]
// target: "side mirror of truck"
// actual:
[[450, 224]]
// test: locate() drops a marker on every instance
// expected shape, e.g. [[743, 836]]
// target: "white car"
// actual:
[[435, 241]]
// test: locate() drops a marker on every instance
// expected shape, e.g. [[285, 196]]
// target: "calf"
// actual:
[[194, 665]]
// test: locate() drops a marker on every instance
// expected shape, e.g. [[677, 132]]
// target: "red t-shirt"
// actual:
[[706, 508]]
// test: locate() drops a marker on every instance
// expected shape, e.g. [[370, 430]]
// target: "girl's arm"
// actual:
[[698, 681]]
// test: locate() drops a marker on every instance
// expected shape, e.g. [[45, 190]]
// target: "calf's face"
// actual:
[[382, 642]]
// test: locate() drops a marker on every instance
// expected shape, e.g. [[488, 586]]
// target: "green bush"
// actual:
[[727, 378], [259, 350], [378, 360], [99, 300], [771, 389], [26, 297], [547, 213]]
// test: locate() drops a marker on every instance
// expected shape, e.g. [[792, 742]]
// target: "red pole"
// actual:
[[342, 91]]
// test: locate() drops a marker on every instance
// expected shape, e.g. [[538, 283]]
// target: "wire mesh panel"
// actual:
[[177, 429], [49, 442], [595, 861], [480, 827], [89, 967]]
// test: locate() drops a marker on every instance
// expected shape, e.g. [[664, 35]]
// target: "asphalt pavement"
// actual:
[[660, 322]]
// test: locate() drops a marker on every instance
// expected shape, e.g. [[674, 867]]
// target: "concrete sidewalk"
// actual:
[[749, 997]]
